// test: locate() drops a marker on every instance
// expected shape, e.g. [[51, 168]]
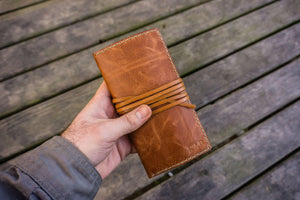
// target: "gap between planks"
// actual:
[[40, 96], [263, 175], [21, 5], [86, 43], [225, 129], [248, 128], [220, 177], [204, 99], [26, 33]]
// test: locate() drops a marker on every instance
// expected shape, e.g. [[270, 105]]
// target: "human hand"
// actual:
[[101, 135]]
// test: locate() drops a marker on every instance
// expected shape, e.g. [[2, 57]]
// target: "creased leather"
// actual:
[[135, 66]]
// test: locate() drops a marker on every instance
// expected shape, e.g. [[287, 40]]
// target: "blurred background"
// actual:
[[240, 63]]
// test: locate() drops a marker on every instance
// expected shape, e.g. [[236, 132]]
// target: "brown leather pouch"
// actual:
[[139, 64]]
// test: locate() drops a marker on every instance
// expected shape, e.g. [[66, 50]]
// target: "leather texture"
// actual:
[[137, 65]]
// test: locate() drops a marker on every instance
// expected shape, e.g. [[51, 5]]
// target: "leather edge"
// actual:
[[152, 174], [124, 40], [208, 148]]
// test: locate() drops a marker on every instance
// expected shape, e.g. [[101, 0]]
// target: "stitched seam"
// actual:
[[187, 159], [195, 116], [191, 157], [174, 69], [123, 41]]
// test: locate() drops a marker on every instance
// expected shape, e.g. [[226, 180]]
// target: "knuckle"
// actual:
[[131, 122]]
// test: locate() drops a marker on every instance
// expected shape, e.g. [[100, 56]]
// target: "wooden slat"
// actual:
[[40, 18], [6, 6], [282, 182], [247, 105], [63, 108], [234, 71], [24, 123], [237, 162], [239, 33], [128, 177], [37, 51], [134, 179], [218, 78], [63, 74]]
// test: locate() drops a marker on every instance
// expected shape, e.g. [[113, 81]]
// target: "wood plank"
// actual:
[[248, 104], [128, 177], [40, 116], [197, 84], [226, 75], [239, 33], [7, 6], [28, 122], [237, 162], [74, 100], [282, 182], [41, 18], [59, 76], [39, 50]]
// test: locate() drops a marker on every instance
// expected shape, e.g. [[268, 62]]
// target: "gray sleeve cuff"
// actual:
[[61, 170]]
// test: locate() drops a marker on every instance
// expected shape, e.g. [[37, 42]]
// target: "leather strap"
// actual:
[[159, 99]]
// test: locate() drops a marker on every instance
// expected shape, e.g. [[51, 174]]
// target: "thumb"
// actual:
[[128, 122]]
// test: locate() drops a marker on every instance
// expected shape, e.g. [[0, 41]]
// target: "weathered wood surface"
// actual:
[[236, 111], [220, 78], [217, 131], [235, 35], [282, 182], [128, 177], [59, 76], [234, 164], [7, 6], [197, 84], [253, 102], [109, 189], [61, 114], [43, 17], [39, 50], [27, 123]]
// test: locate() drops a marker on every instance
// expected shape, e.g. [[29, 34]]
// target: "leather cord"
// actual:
[[159, 99]]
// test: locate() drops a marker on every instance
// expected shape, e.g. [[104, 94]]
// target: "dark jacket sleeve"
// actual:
[[54, 170]]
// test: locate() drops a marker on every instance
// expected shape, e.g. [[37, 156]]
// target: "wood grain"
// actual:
[[197, 86], [234, 164], [240, 68], [282, 182], [244, 107], [21, 129], [6, 6], [73, 70], [127, 178], [235, 35], [83, 34], [41, 18], [235, 112], [259, 99]]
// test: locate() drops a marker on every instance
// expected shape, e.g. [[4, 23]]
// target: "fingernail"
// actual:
[[142, 112]]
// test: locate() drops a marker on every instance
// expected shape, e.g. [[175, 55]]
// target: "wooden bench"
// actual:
[[239, 61]]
